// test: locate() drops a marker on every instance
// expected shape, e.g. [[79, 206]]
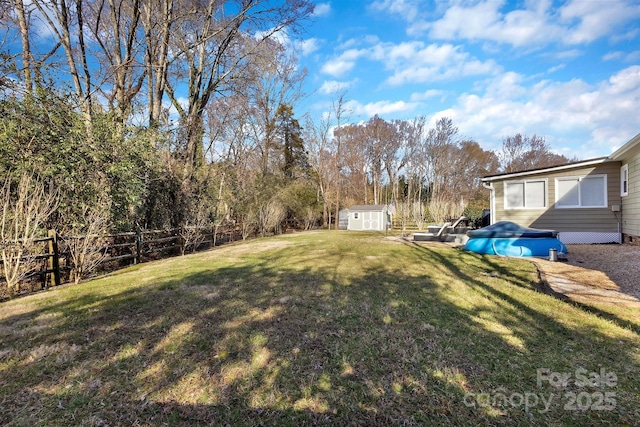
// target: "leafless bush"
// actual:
[[419, 214], [443, 207], [310, 218], [403, 214], [457, 208], [192, 232], [270, 216], [25, 207], [249, 223], [85, 244]]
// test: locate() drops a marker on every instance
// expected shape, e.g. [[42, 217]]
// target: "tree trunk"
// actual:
[[27, 57]]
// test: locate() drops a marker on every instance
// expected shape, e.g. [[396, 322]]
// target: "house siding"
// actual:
[[600, 220], [631, 202]]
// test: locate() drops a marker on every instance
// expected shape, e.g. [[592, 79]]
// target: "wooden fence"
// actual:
[[54, 265]]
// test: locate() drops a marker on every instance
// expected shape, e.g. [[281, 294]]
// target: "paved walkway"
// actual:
[[579, 291]]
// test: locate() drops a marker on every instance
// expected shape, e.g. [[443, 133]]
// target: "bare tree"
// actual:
[[379, 134], [414, 166], [403, 214], [213, 48], [317, 143], [339, 113], [68, 26], [437, 149], [25, 208], [157, 19], [84, 243], [22, 15], [115, 27], [272, 81], [355, 167], [521, 152]]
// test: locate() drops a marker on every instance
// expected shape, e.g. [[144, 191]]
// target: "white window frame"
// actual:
[[624, 180], [355, 215], [526, 182], [605, 196]]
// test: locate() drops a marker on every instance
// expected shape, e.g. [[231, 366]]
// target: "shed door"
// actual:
[[370, 221]]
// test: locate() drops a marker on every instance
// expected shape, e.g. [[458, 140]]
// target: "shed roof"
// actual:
[[368, 208]]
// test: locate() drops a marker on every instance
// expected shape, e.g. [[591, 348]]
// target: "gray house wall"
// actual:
[[631, 202], [620, 218], [575, 225]]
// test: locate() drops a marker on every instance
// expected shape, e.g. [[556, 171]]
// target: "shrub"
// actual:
[[474, 210]]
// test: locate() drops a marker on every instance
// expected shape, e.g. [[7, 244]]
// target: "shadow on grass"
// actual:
[[273, 343], [598, 311]]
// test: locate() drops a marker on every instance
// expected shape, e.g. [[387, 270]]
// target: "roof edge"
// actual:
[[579, 164], [629, 145]]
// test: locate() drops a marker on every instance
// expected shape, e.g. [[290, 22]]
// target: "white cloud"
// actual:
[[633, 56], [625, 82], [417, 63], [622, 56], [322, 9], [625, 36], [559, 110], [407, 9], [308, 46], [534, 24], [339, 66], [485, 21], [613, 56], [428, 94], [556, 68], [565, 54], [330, 87], [413, 62], [380, 107], [586, 21]]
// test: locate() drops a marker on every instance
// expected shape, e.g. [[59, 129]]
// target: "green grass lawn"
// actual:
[[319, 328]]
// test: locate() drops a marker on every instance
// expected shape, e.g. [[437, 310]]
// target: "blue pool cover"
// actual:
[[509, 239], [510, 229]]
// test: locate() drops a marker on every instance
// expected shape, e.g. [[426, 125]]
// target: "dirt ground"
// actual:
[[615, 267]]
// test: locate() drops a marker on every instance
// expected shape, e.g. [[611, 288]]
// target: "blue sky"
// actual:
[[568, 71]]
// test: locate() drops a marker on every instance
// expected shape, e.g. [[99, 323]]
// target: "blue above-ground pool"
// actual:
[[506, 238]]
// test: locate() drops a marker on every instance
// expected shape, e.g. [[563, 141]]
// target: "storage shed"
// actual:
[[369, 218]]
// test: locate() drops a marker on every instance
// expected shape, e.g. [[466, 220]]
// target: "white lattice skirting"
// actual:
[[586, 238]]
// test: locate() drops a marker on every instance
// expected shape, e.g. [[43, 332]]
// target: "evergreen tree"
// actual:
[[290, 135]]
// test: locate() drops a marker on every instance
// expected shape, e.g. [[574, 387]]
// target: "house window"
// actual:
[[355, 215], [581, 192], [624, 180], [525, 194]]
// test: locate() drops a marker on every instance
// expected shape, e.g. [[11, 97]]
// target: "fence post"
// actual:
[[138, 258], [54, 258]]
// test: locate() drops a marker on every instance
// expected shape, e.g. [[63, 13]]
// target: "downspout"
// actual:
[[492, 202]]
